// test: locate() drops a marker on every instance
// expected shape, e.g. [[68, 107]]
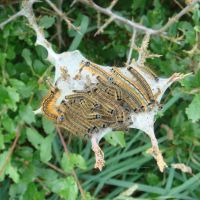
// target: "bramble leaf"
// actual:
[[46, 21], [193, 110], [66, 188], [46, 148], [34, 137], [26, 113], [115, 138]]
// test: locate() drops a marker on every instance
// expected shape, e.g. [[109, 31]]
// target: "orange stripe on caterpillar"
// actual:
[[49, 107]]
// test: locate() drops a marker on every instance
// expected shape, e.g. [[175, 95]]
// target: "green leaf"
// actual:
[[24, 90], [66, 188], [34, 137], [66, 163], [4, 98], [3, 157], [26, 54], [197, 29], [41, 52], [78, 161], [46, 148], [13, 94], [8, 124], [16, 191], [26, 114], [38, 66], [32, 193], [79, 35], [46, 21], [13, 174], [48, 175], [48, 125], [116, 137], [2, 146], [71, 161], [152, 179], [11, 53], [14, 97], [8, 169], [193, 110]]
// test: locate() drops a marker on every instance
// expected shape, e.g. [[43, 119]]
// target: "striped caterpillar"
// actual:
[[49, 107], [118, 82]]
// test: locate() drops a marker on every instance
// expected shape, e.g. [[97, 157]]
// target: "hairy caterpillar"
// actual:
[[49, 107], [150, 72], [143, 83], [135, 85], [118, 82]]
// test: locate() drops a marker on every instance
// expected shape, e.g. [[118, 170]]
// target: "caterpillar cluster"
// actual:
[[107, 103]]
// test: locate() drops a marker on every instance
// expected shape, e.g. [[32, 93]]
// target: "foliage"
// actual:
[[38, 169]]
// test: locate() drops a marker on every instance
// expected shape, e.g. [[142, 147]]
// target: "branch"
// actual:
[[177, 17], [73, 171], [62, 16], [28, 13], [101, 29], [107, 11], [134, 25], [11, 150], [11, 18], [131, 47]]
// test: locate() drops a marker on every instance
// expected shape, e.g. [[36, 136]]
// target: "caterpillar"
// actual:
[[143, 83], [151, 72], [136, 86], [110, 89], [120, 114], [48, 106], [119, 83], [94, 69], [131, 93], [75, 114]]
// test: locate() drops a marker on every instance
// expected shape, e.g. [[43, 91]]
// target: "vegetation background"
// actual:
[[32, 162]]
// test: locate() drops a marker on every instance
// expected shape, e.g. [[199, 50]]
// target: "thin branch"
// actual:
[[113, 3], [29, 14], [131, 47], [43, 185], [11, 18], [177, 17], [62, 15], [56, 168], [101, 29], [116, 17], [73, 171], [59, 27], [11, 150], [135, 25]]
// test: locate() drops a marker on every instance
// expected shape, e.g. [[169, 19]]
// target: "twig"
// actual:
[[131, 47], [62, 15], [116, 17], [11, 18], [59, 27], [113, 3], [176, 17], [56, 168], [101, 29], [11, 150], [29, 14], [43, 185], [73, 171], [135, 25]]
